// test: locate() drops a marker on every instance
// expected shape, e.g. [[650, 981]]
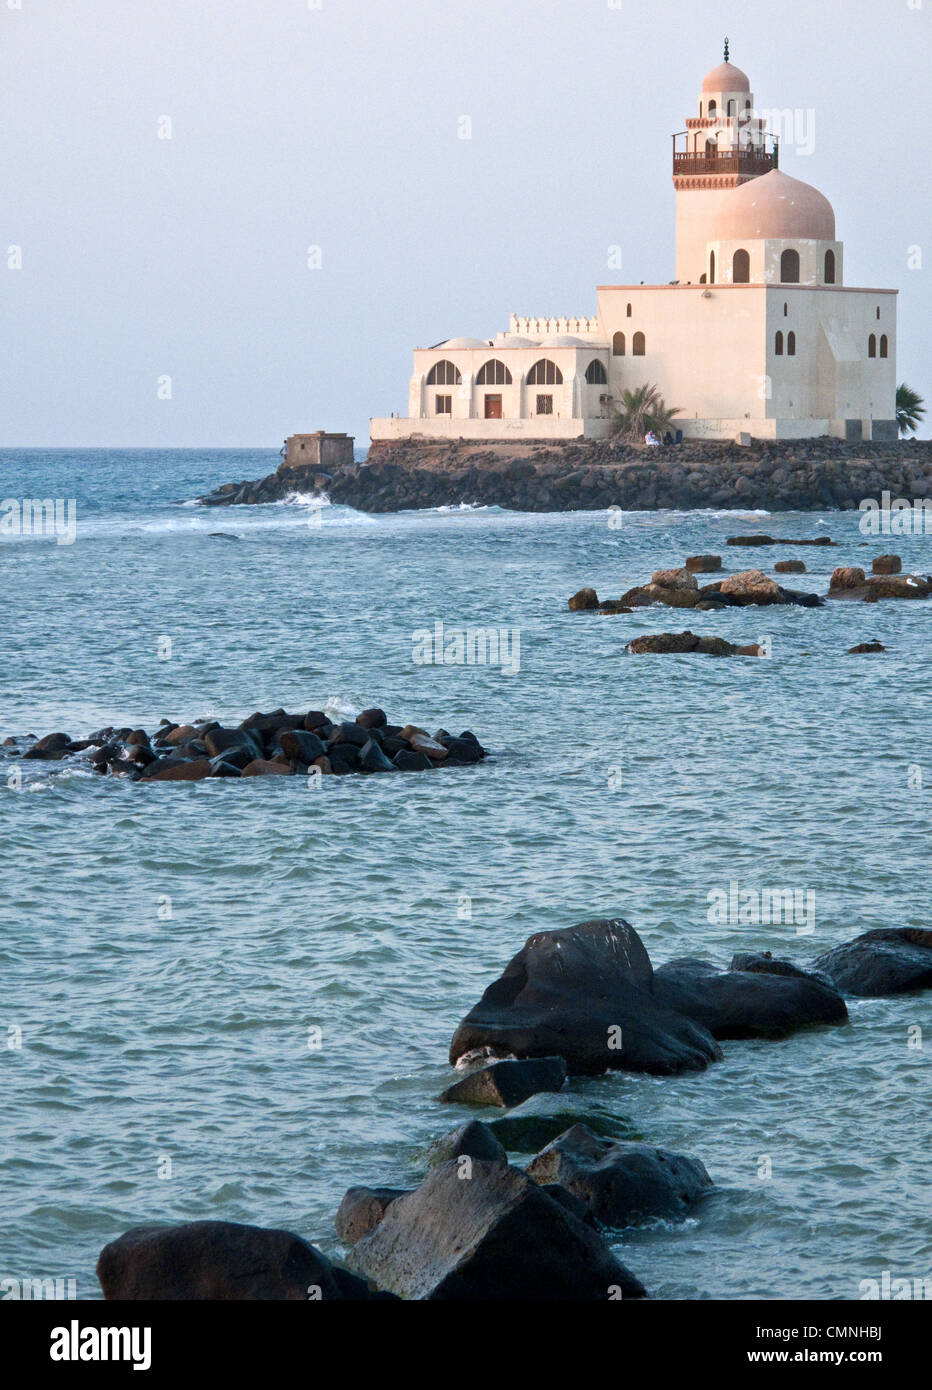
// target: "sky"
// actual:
[[227, 221]]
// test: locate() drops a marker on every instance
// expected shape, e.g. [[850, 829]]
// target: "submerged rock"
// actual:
[[495, 1237], [621, 1183], [471, 1140], [863, 647], [887, 564], [676, 643], [508, 1083], [703, 564], [850, 582], [584, 601], [889, 960], [221, 1260], [585, 994], [778, 540], [790, 567]]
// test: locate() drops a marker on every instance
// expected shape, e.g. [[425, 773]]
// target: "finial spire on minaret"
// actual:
[[726, 50]]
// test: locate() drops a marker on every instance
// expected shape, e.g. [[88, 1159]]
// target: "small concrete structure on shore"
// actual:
[[320, 450], [758, 336]]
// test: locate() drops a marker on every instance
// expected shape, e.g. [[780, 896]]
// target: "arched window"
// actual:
[[791, 344], [711, 149], [741, 268], [444, 374], [872, 345], [629, 311], [711, 267], [638, 345], [703, 279], [778, 346], [712, 108], [731, 108], [830, 267], [747, 106], [883, 345], [789, 267], [493, 373], [618, 345], [545, 373], [596, 374]]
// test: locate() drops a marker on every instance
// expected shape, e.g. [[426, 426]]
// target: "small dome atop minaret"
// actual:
[[726, 78]]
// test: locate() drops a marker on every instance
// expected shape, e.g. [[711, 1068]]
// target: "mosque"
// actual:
[[758, 335]]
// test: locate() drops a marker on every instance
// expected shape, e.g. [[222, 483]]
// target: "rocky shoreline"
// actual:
[[590, 475], [580, 1001]]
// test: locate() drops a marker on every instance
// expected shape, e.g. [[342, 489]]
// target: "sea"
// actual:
[[233, 1003]]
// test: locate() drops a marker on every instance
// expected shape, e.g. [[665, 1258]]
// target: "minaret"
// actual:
[[722, 147]]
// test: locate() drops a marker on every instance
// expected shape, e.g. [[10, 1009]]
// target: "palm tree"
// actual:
[[910, 409], [641, 410]]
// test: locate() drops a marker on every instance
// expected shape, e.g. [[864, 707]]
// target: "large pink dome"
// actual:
[[776, 207], [726, 78]]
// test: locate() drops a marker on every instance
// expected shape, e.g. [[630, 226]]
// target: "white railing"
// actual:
[[550, 327]]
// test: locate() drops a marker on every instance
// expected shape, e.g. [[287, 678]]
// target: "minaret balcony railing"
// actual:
[[724, 162]]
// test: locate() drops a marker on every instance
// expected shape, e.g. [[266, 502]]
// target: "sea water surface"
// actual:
[[167, 951]]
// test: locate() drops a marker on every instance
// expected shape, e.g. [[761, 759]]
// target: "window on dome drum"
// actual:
[[596, 374], [830, 267], [618, 345], [628, 315], [444, 374], [712, 108], [789, 267], [878, 311], [791, 345], [731, 109], [741, 268], [872, 345], [786, 310], [545, 405], [747, 106], [711, 267], [778, 346], [639, 345], [443, 405], [493, 373], [545, 373], [883, 345]]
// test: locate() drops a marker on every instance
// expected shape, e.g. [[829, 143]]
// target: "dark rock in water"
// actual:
[[676, 643], [471, 1140], [220, 768], [703, 564], [372, 759], [790, 567], [178, 770], [222, 536], [622, 1184], [762, 962], [301, 745], [53, 747], [496, 1237], [220, 740], [746, 1004], [585, 994], [139, 738], [887, 564], [777, 540], [316, 719], [890, 960], [536, 1124], [220, 1260], [584, 601], [571, 1203], [508, 1083], [239, 756], [408, 761], [267, 767], [361, 1210], [372, 719], [351, 733], [260, 725], [463, 749], [141, 754], [344, 757], [182, 733], [863, 647]]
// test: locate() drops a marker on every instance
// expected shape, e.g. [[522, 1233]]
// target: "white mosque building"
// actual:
[[758, 335]]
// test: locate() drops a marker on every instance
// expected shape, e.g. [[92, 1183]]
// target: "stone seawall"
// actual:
[[804, 475]]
